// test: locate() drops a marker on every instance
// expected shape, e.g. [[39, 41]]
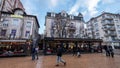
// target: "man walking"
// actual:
[[59, 56], [33, 53]]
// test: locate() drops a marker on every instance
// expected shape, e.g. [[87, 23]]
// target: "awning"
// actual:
[[12, 40]]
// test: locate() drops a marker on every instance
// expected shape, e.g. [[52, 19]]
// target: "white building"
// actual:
[[105, 26], [62, 25]]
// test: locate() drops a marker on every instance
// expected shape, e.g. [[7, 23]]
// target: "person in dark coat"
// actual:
[[33, 53], [59, 56], [111, 51], [74, 50], [78, 51], [107, 50]]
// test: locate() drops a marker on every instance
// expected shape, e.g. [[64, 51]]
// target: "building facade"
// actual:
[[106, 27], [18, 25], [9, 5], [62, 25]]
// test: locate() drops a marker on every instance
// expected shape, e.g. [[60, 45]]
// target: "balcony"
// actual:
[[106, 35], [71, 28], [112, 34], [108, 23], [108, 28], [107, 18]]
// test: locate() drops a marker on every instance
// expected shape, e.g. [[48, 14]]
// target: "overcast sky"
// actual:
[[89, 8]]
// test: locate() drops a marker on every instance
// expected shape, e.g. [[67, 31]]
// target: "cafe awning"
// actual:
[[12, 40]]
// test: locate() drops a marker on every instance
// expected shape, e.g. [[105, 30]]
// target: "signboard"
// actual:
[[17, 16]]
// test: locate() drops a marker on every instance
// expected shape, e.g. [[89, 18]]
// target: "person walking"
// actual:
[[111, 51], [59, 56], [107, 50], [74, 50], [37, 52], [78, 51], [33, 53]]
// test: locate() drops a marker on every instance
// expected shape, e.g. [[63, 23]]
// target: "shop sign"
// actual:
[[17, 16]]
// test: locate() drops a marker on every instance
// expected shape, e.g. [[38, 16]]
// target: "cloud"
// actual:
[[107, 1], [29, 6], [89, 5], [75, 8], [92, 7], [54, 3]]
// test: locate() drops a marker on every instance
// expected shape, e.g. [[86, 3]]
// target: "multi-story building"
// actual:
[[18, 25], [105, 26], [9, 5], [62, 25]]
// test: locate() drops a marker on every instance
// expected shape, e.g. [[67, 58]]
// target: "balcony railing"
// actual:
[[108, 28], [107, 18], [112, 34], [72, 28], [108, 23]]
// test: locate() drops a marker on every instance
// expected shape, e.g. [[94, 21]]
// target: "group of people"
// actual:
[[76, 51], [109, 51]]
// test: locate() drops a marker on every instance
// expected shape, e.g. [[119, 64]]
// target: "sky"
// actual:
[[89, 8]]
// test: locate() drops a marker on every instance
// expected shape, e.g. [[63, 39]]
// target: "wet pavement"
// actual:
[[85, 61]]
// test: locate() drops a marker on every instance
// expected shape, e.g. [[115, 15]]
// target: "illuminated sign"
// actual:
[[17, 16]]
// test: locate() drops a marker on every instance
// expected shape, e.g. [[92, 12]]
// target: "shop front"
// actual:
[[13, 48], [86, 45]]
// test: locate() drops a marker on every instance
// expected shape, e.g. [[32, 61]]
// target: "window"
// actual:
[[27, 34], [118, 26], [118, 31], [5, 23], [13, 33], [19, 12], [52, 14], [3, 32], [71, 17], [15, 22], [28, 25], [97, 34]]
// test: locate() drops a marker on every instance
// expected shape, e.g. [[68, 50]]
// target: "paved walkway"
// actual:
[[85, 61]]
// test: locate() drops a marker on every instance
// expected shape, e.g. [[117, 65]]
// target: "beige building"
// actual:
[[18, 25], [105, 26], [63, 25]]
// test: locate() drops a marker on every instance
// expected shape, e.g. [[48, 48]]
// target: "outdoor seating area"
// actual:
[[12, 48]]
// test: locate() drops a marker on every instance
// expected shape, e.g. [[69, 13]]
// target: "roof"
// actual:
[[18, 9], [102, 14], [72, 39]]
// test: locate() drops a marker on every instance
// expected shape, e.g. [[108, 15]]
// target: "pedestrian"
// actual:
[[111, 51], [74, 50], [106, 48], [33, 53], [37, 52], [78, 51], [59, 56]]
